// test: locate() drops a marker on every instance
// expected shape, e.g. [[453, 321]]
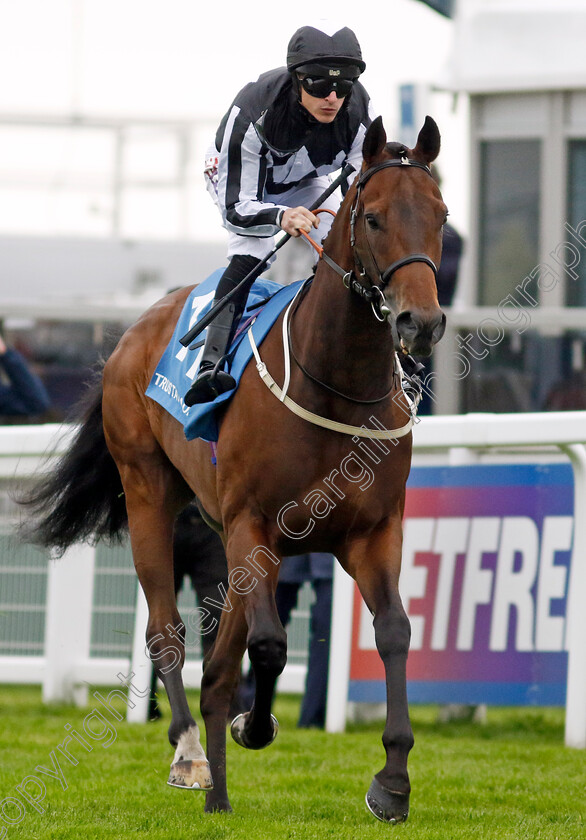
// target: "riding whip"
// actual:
[[209, 317]]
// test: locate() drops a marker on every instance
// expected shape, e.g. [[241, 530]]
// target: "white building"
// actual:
[[520, 307]]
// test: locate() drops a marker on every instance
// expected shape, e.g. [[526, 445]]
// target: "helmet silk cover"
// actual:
[[312, 46]]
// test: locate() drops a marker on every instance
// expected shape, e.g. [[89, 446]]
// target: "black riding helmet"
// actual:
[[325, 62], [310, 47], [316, 56]]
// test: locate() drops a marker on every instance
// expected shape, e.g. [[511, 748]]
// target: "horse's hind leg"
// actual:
[[154, 494], [151, 533]]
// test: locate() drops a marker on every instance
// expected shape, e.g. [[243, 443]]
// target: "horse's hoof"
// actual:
[[192, 774], [239, 735], [220, 807], [387, 805]]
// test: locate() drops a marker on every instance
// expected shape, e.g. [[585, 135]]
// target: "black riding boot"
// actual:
[[211, 379]]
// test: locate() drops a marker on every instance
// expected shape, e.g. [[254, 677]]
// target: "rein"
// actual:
[[288, 343], [373, 293]]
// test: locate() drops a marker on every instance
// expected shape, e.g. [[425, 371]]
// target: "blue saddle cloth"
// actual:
[[178, 365]]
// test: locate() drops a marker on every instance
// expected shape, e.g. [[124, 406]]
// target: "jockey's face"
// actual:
[[323, 110]]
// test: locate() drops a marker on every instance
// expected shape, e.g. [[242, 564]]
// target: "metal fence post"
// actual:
[[575, 733], [339, 669], [141, 667]]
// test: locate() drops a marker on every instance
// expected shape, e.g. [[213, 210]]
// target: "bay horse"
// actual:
[[283, 483]]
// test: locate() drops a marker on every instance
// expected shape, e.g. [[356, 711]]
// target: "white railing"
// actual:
[[564, 432], [66, 667]]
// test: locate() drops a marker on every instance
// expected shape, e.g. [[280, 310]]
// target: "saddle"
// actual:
[[178, 365]]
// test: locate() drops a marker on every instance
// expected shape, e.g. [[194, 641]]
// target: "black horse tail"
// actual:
[[81, 499]]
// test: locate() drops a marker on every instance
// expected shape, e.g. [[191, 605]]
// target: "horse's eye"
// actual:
[[371, 221]]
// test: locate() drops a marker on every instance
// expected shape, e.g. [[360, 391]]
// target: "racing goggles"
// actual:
[[322, 86]]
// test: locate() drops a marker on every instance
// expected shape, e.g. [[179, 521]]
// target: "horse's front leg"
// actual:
[[376, 568], [266, 639], [250, 620], [219, 683]]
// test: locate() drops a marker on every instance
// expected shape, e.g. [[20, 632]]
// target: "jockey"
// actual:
[[274, 150]]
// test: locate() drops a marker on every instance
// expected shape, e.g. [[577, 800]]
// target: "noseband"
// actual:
[[374, 293]]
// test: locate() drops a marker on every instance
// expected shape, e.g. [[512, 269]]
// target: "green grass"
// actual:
[[511, 778]]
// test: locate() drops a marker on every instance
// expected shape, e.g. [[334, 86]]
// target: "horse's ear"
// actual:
[[428, 142], [374, 141]]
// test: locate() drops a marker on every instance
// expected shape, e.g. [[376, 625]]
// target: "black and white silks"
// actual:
[[271, 150]]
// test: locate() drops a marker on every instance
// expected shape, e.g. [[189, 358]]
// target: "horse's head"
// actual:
[[398, 216]]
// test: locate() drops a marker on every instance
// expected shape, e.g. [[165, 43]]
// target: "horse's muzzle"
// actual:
[[418, 331]]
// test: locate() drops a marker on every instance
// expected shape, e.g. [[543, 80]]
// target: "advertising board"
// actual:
[[484, 580]]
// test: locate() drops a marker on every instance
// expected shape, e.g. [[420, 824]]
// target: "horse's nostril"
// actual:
[[407, 325], [439, 328], [420, 331]]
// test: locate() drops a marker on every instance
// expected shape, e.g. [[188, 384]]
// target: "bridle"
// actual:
[[374, 292]]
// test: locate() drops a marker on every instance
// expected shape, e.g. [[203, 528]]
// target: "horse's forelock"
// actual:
[[397, 150]]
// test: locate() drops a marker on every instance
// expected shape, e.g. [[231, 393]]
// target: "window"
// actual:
[[576, 289], [509, 216]]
